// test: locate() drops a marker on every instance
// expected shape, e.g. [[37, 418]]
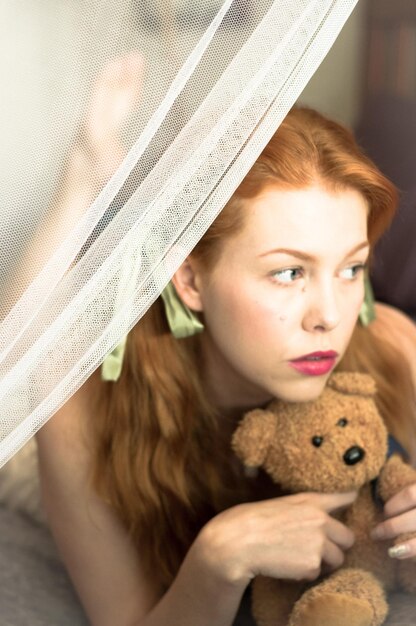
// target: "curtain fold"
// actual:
[[136, 122]]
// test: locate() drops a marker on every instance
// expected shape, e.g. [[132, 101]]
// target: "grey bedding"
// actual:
[[35, 590]]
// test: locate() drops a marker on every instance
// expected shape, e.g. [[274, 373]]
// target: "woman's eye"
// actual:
[[287, 275], [349, 273]]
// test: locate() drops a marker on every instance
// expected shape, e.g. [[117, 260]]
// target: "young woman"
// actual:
[[155, 519]]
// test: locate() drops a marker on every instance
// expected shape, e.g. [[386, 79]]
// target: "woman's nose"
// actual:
[[322, 310]]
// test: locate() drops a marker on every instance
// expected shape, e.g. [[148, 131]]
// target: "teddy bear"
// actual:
[[335, 443]]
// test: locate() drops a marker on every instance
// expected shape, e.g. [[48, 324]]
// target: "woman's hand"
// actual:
[[98, 148], [291, 537], [400, 513], [93, 158], [115, 94]]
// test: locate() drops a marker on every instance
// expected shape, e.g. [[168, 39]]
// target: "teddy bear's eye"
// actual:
[[342, 422], [317, 441]]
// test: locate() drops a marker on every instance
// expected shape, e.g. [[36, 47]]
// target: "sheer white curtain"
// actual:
[[127, 126]]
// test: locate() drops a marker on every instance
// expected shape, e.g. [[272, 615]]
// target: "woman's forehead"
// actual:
[[286, 217]]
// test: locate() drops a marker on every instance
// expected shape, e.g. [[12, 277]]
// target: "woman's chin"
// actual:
[[303, 390]]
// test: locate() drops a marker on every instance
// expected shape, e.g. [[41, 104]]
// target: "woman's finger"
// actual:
[[405, 550], [339, 534], [330, 502], [403, 501], [394, 526], [332, 557]]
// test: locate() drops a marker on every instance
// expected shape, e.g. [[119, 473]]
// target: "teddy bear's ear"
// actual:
[[353, 383], [253, 436]]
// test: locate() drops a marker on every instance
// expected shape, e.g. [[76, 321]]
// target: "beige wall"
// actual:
[[336, 87]]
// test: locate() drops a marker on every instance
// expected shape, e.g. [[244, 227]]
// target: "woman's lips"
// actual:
[[315, 363]]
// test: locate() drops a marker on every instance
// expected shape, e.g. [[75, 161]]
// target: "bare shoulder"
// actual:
[[71, 417], [114, 585], [395, 326]]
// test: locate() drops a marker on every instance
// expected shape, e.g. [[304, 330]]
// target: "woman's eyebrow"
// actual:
[[309, 257]]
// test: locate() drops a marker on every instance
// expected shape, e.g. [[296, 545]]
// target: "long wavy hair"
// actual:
[[162, 456]]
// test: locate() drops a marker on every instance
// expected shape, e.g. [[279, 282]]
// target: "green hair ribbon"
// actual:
[[182, 323], [367, 311]]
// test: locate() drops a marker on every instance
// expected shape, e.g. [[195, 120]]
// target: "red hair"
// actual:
[[308, 148], [162, 460]]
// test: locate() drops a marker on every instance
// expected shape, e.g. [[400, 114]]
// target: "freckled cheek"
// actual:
[[348, 322], [256, 321], [249, 312], [352, 308]]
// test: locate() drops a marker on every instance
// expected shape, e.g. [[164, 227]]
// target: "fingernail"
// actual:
[[376, 533], [398, 552]]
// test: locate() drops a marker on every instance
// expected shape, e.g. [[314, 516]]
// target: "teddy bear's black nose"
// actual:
[[354, 455]]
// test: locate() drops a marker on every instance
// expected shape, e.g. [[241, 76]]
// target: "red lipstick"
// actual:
[[315, 363]]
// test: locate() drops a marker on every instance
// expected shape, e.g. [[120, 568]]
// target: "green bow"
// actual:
[[182, 323], [113, 362], [367, 311]]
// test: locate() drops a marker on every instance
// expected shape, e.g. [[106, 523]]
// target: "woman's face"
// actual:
[[283, 299]]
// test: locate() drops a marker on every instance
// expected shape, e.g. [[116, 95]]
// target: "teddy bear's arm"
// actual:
[[253, 437], [395, 476]]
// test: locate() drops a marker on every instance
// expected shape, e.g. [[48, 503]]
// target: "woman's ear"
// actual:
[[185, 280]]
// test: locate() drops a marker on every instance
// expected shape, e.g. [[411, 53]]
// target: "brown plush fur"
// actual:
[[279, 439]]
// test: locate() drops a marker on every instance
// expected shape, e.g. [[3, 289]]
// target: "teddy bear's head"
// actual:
[[335, 443]]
